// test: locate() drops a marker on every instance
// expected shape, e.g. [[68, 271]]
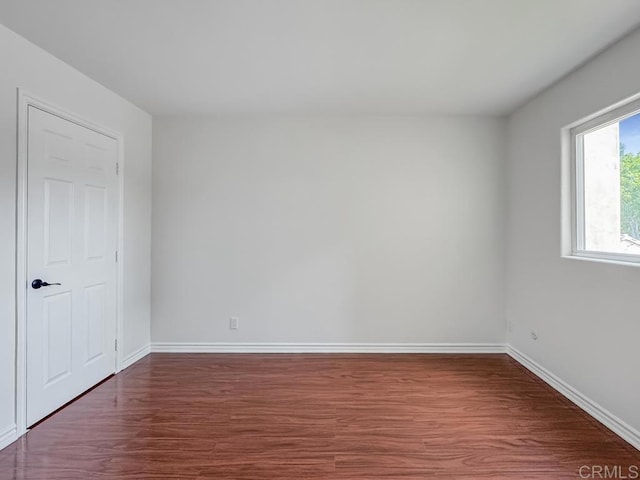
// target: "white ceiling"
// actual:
[[323, 56]]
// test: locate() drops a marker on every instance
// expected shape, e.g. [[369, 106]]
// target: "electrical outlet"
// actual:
[[534, 335], [233, 323]]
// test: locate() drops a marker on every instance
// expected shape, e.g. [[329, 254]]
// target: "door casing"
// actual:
[[25, 99]]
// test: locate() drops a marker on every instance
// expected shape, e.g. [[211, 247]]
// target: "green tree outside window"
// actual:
[[630, 193]]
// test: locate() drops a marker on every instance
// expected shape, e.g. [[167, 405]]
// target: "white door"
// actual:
[[71, 241]]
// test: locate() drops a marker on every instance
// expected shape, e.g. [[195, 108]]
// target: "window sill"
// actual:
[[610, 258]]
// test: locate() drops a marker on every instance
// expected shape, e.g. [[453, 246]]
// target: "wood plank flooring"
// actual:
[[338, 417]]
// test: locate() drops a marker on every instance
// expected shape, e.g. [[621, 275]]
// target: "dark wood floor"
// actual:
[[318, 417]]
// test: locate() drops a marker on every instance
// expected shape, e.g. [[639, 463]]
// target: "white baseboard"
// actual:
[[174, 347], [135, 356], [598, 412], [8, 436]]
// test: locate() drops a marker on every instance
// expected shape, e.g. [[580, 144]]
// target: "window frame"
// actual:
[[573, 136]]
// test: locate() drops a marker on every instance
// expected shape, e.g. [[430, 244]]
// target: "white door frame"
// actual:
[[25, 100]]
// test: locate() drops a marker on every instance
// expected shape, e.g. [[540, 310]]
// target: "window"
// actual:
[[605, 166]]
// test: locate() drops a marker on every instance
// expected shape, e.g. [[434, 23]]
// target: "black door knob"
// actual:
[[37, 283]]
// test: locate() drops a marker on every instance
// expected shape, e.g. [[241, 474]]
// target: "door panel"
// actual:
[[57, 336], [96, 321], [96, 222], [71, 240], [58, 234]]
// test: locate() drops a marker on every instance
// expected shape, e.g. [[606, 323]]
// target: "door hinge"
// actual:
[[117, 168], [116, 345], [116, 255]]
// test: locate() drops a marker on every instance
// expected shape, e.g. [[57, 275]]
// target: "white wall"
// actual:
[[328, 230], [25, 65], [586, 314]]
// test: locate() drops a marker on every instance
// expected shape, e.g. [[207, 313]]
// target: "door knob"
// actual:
[[37, 283]]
